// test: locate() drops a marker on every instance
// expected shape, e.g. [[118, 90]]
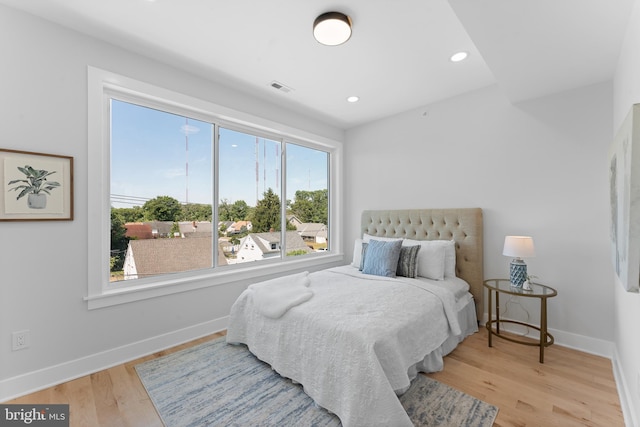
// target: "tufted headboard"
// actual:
[[464, 226]]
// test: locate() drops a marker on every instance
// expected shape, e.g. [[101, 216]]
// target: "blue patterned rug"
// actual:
[[216, 384]]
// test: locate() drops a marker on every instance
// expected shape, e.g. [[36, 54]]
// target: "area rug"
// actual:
[[216, 384]]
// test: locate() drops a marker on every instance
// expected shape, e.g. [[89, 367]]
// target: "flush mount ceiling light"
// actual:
[[353, 99], [332, 28]]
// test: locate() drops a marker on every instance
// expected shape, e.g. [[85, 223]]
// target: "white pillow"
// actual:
[[449, 258], [366, 237], [430, 258], [357, 253], [449, 253]]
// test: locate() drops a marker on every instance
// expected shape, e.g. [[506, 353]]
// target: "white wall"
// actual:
[[538, 168], [627, 305], [43, 108]]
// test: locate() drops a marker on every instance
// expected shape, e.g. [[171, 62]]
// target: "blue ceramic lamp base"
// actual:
[[517, 273]]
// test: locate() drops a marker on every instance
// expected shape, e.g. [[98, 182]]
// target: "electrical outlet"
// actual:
[[20, 340]]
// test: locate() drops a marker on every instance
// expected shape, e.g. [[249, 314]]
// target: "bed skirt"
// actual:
[[433, 362]]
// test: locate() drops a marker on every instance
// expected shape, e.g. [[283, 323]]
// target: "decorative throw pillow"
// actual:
[[430, 258], [381, 258], [363, 254], [408, 261]]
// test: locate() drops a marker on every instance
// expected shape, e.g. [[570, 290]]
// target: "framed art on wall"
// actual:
[[624, 192], [35, 186]]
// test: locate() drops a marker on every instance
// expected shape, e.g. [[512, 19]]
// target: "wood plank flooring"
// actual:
[[570, 389]]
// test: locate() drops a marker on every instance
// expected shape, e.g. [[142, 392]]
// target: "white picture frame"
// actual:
[[624, 186]]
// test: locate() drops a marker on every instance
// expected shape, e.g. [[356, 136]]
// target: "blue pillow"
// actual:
[[382, 258]]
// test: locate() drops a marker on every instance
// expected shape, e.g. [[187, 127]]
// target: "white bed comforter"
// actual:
[[352, 343]]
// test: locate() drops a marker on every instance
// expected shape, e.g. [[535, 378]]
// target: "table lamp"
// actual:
[[518, 247]]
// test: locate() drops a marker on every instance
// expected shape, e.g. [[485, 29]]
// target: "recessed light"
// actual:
[[353, 99], [460, 56]]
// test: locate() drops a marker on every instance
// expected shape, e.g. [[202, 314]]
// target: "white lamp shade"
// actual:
[[519, 247], [332, 28]]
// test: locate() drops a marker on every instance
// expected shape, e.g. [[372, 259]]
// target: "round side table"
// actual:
[[503, 286]]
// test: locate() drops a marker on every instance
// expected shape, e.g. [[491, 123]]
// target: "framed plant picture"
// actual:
[[35, 186]]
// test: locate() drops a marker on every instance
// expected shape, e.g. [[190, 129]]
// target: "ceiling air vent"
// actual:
[[282, 88]]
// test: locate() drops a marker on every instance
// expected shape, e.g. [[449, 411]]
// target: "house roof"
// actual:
[[311, 227], [138, 230], [195, 227], [163, 227], [161, 256], [239, 224], [294, 241]]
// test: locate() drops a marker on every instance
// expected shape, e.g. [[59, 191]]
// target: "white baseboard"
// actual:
[[30, 382], [626, 401], [565, 339]]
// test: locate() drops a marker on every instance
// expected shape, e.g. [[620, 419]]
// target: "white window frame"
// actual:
[[100, 293]]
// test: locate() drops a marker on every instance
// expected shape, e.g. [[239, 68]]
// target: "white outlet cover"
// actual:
[[20, 340]]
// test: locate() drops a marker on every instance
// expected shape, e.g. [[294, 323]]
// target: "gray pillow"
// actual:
[[408, 261]]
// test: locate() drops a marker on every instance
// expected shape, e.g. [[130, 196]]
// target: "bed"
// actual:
[[355, 340]]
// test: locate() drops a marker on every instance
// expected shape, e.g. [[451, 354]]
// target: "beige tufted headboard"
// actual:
[[462, 225]]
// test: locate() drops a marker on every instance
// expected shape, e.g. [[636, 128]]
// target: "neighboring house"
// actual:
[[257, 246], [313, 232], [160, 256], [197, 234], [294, 220], [225, 226], [195, 227], [240, 226], [160, 228], [138, 230]]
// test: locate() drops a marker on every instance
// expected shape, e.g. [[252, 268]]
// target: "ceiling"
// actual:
[[397, 58]]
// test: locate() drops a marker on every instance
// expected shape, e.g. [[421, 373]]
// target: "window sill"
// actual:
[[198, 281]]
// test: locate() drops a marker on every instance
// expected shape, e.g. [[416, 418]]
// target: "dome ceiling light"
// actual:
[[332, 28]]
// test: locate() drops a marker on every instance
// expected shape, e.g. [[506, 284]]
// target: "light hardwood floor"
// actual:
[[570, 389]]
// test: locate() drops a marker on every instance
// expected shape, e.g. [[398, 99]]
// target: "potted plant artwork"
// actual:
[[35, 186]]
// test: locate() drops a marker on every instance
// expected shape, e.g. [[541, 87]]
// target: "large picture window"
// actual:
[[189, 193]]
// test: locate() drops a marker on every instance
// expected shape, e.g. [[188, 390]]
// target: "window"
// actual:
[[161, 192], [186, 195], [308, 194]]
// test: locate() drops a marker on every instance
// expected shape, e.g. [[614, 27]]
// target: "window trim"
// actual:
[[101, 83]]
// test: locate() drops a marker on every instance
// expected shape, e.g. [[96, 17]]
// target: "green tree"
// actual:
[[266, 216], [133, 214], [239, 210], [119, 241], [196, 212], [175, 228], [224, 210], [162, 208], [311, 206]]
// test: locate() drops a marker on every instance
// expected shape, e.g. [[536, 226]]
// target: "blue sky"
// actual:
[[149, 158]]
